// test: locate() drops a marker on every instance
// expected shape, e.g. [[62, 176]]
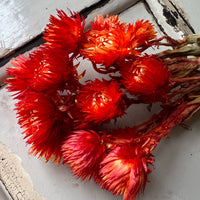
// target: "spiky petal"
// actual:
[[101, 101], [45, 125], [105, 47], [147, 77], [110, 41], [83, 151], [107, 23], [65, 32], [45, 70], [105, 42], [140, 34], [124, 171]]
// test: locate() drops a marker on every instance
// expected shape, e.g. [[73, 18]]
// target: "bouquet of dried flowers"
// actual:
[[62, 118]]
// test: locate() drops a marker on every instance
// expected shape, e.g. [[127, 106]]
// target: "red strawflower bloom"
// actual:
[[45, 70], [147, 77], [140, 34], [104, 43], [83, 151], [124, 171], [111, 41], [101, 101], [45, 124], [65, 32], [108, 23], [105, 47]]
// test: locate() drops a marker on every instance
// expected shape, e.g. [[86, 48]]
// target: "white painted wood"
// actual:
[[191, 8], [112, 7], [16, 181], [163, 10], [23, 20]]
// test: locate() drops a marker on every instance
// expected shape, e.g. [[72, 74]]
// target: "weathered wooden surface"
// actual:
[[16, 181], [191, 8], [23, 20], [170, 18]]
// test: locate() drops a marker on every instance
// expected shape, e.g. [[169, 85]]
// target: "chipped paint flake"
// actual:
[[16, 181], [170, 18]]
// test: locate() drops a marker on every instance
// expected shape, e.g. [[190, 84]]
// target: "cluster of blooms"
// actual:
[[61, 117]]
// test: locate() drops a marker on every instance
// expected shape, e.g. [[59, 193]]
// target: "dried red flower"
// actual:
[[45, 70], [104, 47], [83, 151], [146, 77], [65, 32], [140, 34], [45, 124], [124, 171], [101, 101], [107, 23], [111, 41]]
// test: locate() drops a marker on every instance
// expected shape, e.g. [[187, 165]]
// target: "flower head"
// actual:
[[147, 77], [110, 41], [100, 101], [107, 23], [104, 47], [65, 32], [83, 151], [140, 34], [46, 69], [45, 124], [124, 171]]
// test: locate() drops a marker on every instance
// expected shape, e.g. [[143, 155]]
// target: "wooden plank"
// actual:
[[13, 176], [23, 20], [112, 7], [170, 17], [191, 8]]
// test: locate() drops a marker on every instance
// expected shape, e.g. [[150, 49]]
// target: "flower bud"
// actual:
[[147, 77]]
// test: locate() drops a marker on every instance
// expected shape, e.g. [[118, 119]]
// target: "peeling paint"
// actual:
[[16, 181], [175, 16], [170, 18]]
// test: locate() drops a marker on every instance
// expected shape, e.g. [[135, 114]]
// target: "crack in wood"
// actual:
[[38, 40], [176, 17], [86, 11], [182, 14], [151, 12]]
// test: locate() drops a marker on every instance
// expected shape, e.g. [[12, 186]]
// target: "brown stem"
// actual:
[[181, 80], [104, 70], [170, 41], [179, 115]]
